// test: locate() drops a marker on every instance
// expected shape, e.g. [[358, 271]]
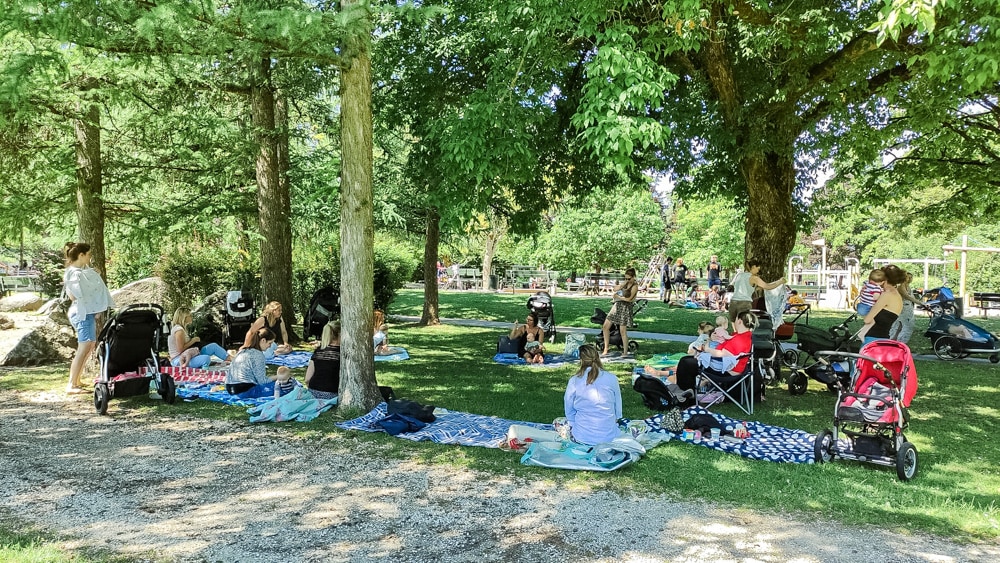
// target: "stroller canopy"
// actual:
[[896, 358]]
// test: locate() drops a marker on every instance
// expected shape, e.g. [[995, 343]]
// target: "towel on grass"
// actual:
[[298, 405], [609, 456], [766, 442], [194, 375], [450, 427], [398, 354]]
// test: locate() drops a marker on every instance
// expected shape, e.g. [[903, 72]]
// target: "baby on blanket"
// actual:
[[283, 382]]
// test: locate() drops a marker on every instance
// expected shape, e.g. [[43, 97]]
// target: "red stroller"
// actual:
[[870, 417]]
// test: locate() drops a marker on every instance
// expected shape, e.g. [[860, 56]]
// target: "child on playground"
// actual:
[[721, 332], [283, 382], [795, 302], [871, 291], [705, 329]]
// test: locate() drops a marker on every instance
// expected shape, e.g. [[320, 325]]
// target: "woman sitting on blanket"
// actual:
[[323, 372], [182, 348], [593, 400], [249, 367], [381, 337], [271, 319], [534, 352]]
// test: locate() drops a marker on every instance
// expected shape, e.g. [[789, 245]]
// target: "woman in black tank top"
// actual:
[[888, 307], [271, 319]]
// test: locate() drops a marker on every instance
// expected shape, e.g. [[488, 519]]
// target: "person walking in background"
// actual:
[[681, 277], [743, 287], [666, 274], [90, 297]]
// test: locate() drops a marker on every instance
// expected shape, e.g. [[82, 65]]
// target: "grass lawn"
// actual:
[[953, 418]]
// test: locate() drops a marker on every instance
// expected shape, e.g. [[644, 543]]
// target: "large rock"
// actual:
[[36, 344], [6, 323], [149, 290], [21, 302]]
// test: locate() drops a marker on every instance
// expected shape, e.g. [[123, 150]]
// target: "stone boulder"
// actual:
[[6, 323], [55, 310], [149, 290], [21, 302], [37, 343]]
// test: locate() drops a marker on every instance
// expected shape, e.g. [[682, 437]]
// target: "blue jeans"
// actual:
[[204, 357], [863, 309]]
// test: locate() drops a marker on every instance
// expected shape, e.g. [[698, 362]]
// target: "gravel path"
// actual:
[[160, 487]]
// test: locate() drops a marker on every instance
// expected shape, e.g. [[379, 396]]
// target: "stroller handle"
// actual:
[[821, 353]]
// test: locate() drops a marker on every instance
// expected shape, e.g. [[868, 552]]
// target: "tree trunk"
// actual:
[[431, 314], [273, 201], [89, 185], [492, 240], [770, 217], [284, 185], [358, 389]]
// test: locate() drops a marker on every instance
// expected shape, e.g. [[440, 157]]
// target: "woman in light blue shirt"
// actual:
[[593, 400], [249, 367]]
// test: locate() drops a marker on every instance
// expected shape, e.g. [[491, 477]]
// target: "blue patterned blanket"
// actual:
[[451, 427], [300, 358], [766, 442], [217, 392]]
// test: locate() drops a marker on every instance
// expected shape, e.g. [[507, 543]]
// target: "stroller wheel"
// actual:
[[823, 447], [948, 348], [790, 358], [906, 462], [633, 346], [168, 389], [101, 397], [995, 358], [798, 382]]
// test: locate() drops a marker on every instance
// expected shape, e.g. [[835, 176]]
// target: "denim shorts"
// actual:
[[86, 328]]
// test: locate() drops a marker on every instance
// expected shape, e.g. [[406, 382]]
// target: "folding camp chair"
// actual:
[[740, 389]]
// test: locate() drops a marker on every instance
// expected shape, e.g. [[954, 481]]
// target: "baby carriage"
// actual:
[[870, 417], [541, 304], [954, 338], [237, 316], [127, 350], [940, 301], [324, 306], [614, 333], [804, 363]]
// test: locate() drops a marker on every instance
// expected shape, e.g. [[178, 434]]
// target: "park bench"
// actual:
[[809, 292], [524, 279], [469, 278], [13, 284], [595, 284], [986, 301]]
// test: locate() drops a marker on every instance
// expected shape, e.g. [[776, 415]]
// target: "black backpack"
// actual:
[[661, 396]]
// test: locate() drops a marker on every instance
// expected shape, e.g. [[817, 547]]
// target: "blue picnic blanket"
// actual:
[[766, 442], [298, 405], [217, 392], [450, 427], [300, 358]]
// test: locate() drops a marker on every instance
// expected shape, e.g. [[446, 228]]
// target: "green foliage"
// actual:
[[395, 262], [612, 227], [314, 268], [706, 226], [194, 272]]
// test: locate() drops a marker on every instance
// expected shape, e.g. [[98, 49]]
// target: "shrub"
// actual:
[[192, 274]]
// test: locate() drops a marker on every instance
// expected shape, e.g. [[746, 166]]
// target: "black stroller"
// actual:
[[127, 349], [324, 306], [541, 304], [614, 333], [805, 363], [237, 316]]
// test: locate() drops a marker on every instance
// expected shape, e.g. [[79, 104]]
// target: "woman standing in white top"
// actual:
[[743, 288], [593, 400], [89, 296]]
